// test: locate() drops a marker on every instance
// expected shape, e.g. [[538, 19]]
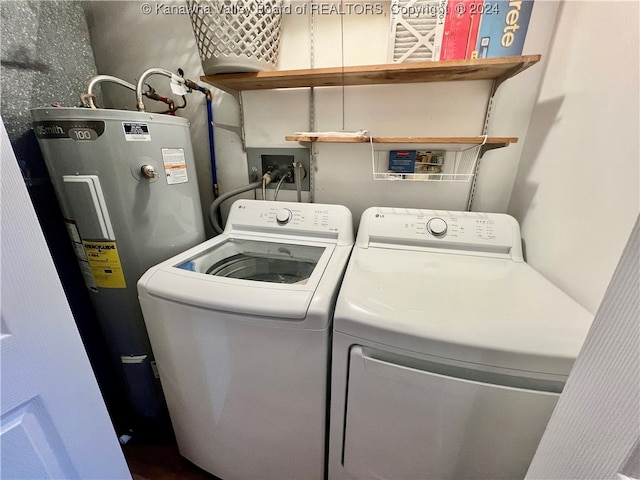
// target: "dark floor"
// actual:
[[161, 462]]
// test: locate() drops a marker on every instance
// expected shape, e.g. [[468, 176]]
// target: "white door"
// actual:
[[53, 421]]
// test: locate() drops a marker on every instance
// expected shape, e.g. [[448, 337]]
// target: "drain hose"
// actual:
[[213, 209]]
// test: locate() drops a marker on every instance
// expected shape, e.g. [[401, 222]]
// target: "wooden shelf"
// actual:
[[494, 142], [498, 69]]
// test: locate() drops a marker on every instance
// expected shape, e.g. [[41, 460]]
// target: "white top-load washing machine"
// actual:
[[240, 327], [449, 351]]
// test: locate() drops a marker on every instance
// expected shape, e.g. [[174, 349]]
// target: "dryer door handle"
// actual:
[[414, 371]]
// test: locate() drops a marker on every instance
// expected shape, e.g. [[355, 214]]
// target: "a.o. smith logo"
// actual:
[[75, 130]]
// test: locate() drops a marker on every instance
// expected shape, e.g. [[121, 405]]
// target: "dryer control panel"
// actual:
[[470, 232], [314, 220]]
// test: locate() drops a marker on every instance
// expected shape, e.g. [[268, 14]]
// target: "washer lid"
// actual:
[[483, 310], [244, 275], [257, 260], [281, 260]]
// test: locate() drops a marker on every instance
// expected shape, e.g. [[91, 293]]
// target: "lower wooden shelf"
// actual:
[[493, 142]]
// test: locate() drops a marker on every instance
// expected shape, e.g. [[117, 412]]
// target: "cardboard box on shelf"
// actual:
[[485, 28], [503, 31]]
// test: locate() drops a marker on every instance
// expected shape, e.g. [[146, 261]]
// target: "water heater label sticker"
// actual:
[[73, 231], [136, 132], [88, 276], [104, 263], [81, 255], [175, 165]]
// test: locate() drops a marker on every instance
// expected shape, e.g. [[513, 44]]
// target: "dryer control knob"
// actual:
[[284, 216], [437, 227]]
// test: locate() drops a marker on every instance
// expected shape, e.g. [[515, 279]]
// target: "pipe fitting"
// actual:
[[144, 76], [89, 97]]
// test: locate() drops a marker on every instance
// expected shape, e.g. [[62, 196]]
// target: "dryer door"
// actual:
[[406, 423]]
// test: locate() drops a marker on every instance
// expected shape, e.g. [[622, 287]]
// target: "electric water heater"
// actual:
[[127, 187]]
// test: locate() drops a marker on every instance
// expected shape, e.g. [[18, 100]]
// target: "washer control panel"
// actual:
[[485, 233], [313, 219]]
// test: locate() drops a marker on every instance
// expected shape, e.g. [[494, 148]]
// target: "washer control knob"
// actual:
[[284, 216], [437, 227]]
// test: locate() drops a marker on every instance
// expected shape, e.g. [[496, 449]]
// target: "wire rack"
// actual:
[[448, 166]]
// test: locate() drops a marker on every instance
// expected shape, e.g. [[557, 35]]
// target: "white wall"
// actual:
[[126, 42], [576, 194], [436, 109]]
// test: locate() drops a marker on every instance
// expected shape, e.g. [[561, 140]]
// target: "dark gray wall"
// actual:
[[46, 58]]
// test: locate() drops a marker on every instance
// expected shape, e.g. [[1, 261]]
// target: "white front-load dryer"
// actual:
[[240, 327], [449, 351]]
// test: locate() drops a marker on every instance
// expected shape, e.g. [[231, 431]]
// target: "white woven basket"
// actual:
[[236, 35]]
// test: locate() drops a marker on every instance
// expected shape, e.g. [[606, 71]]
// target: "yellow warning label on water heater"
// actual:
[[104, 263]]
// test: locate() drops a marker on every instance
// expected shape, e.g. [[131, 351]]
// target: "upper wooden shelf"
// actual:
[[498, 69]]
